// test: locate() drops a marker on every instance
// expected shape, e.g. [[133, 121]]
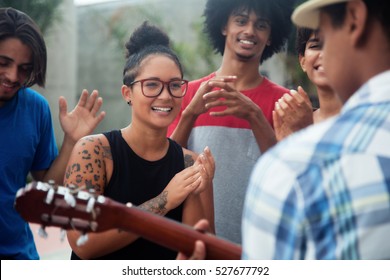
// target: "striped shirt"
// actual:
[[324, 192]]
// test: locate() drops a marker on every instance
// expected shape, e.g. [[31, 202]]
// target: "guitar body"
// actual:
[[58, 206]]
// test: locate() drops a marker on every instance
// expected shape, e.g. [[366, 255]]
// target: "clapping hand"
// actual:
[[292, 113]]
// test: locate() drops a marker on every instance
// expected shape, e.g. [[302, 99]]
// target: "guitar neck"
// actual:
[[171, 234], [80, 210]]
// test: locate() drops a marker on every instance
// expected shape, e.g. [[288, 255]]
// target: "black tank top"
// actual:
[[137, 180]]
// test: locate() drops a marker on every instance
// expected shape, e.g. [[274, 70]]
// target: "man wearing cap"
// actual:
[[332, 197], [324, 193]]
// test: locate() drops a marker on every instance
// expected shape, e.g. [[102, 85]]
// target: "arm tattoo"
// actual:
[[85, 171], [156, 205], [188, 161], [107, 152]]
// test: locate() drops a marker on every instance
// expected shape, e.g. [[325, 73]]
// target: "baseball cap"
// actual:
[[308, 14]]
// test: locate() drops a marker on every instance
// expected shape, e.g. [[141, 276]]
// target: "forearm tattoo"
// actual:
[[157, 204], [188, 161], [88, 170]]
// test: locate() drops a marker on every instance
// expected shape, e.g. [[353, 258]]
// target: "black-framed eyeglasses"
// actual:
[[154, 87]]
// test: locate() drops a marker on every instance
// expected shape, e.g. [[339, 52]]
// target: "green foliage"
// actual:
[[43, 12]]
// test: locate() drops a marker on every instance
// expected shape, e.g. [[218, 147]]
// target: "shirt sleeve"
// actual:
[[47, 148], [273, 215]]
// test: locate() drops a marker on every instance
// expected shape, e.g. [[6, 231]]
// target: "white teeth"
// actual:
[[162, 109], [7, 85], [247, 42]]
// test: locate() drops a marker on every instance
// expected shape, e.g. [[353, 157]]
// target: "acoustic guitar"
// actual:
[[51, 205]]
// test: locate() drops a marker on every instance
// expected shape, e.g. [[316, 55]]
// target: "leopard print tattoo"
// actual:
[[90, 162]]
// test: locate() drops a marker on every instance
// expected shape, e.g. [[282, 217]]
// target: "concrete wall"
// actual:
[[61, 43]]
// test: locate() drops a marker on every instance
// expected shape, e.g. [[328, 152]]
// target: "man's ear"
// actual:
[[356, 20], [302, 60]]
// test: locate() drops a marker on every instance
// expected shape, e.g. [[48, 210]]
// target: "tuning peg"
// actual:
[[82, 239], [52, 183], [49, 196], [90, 204], [72, 188], [92, 191], [62, 235], [42, 232], [69, 199]]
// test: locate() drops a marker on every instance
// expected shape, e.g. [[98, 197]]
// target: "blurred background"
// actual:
[[85, 43]]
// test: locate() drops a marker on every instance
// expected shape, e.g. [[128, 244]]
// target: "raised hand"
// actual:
[[84, 118], [292, 112]]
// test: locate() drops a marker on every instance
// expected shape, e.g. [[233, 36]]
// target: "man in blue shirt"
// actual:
[[27, 143]]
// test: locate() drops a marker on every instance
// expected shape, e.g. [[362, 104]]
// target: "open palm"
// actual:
[[84, 118]]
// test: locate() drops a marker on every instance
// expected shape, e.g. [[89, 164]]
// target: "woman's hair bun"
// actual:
[[144, 36]]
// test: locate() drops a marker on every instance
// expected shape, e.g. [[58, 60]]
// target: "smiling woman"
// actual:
[[138, 163]]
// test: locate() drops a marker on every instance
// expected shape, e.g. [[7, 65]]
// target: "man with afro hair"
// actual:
[[230, 110]]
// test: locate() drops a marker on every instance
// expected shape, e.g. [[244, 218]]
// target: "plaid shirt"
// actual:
[[324, 193]]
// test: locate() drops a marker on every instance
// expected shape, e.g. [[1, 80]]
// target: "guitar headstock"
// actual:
[[58, 206]]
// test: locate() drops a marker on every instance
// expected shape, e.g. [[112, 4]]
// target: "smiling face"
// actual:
[[311, 62], [160, 111], [246, 35], [15, 67]]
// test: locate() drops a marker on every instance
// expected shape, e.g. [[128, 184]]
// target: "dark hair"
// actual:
[[16, 24], [278, 12], [377, 9], [146, 40], [302, 37], [337, 13]]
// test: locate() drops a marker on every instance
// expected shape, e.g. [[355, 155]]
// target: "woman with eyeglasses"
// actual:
[[138, 163]]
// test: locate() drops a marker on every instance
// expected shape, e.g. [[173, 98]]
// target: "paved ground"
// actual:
[[51, 248]]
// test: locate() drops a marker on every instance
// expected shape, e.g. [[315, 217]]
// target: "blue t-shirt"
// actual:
[[27, 143]]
